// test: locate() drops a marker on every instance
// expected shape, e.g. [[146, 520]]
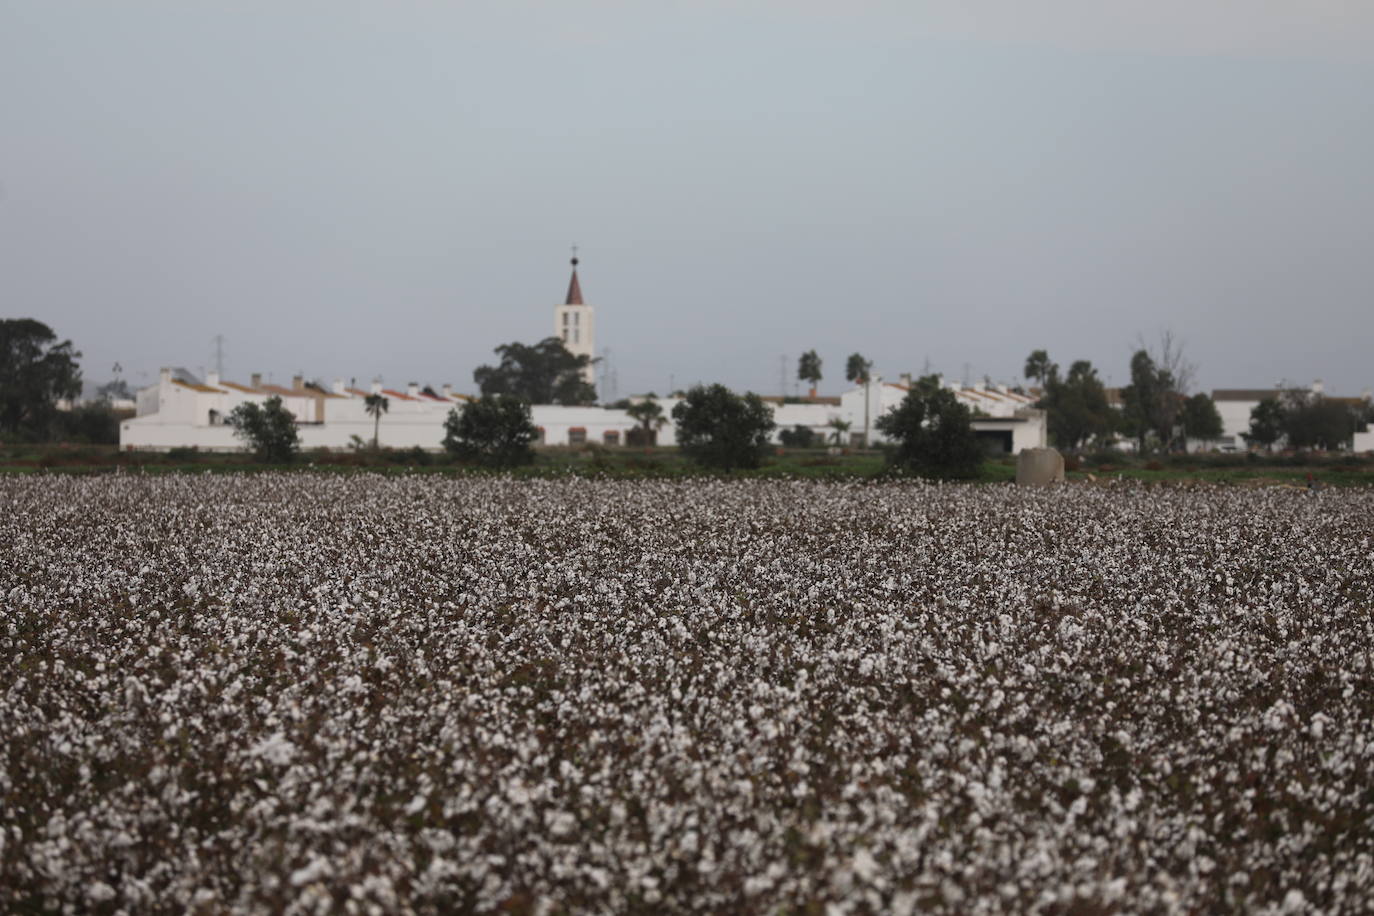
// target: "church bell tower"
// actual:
[[574, 323]]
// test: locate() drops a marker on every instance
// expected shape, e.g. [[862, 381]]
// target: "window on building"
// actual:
[[611, 437], [539, 434], [216, 419], [577, 435]]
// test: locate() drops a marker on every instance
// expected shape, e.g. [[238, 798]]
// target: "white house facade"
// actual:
[[183, 411], [1235, 404]]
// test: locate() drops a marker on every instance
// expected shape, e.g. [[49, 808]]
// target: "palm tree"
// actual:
[[809, 369], [840, 427], [376, 405], [648, 413], [856, 371]]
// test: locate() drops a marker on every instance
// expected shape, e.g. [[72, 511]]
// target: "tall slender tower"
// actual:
[[574, 322]]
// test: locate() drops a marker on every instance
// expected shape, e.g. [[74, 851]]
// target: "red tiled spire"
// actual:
[[574, 288]]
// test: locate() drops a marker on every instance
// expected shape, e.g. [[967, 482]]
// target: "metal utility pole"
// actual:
[[782, 375], [219, 354], [867, 383]]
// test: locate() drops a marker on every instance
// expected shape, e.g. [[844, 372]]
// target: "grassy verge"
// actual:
[[658, 463]]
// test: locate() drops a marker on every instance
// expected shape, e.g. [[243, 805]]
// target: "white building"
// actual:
[[1235, 404], [1005, 420], [183, 410]]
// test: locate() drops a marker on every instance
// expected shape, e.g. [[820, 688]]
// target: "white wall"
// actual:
[[1235, 419], [183, 419]]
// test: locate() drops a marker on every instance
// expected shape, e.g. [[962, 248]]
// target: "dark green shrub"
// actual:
[[933, 433], [719, 429], [798, 437], [183, 454], [493, 431], [269, 430]]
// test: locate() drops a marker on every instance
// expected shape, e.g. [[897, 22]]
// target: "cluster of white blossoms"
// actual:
[[301, 694]]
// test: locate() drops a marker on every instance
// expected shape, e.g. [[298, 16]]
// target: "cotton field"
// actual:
[[313, 694]]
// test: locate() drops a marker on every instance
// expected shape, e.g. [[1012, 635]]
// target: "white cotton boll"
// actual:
[[417, 804], [275, 749], [864, 865], [560, 823], [99, 892], [1294, 902], [311, 872]]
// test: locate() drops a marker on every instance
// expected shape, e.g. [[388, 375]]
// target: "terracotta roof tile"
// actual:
[[237, 387], [206, 389]]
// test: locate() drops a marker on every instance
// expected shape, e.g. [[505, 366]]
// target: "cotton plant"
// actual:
[[380, 694]]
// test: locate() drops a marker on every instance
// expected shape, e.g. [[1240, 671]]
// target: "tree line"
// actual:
[[715, 426], [1159, 414], [37, 373]]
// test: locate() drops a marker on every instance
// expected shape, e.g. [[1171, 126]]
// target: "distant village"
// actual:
[[183, 410]]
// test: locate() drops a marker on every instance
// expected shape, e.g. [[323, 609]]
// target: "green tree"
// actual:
[[1266, 423], [856, 368], [494, 431], [94, 424], [35, 373], [809, 369], [720, 429], [1201, 420], [798, 437], [1076, 405], [1039, 368], [840, 427], [269, 430], [1312, 421], [117, 390], [376, 405], [649, 415], [933, 432], [1152, 402], [545, 373]]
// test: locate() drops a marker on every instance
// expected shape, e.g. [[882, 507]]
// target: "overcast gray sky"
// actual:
[[359, 188]]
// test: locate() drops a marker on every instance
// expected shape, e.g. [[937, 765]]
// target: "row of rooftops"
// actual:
[[300, 388], [975, 393], [1260, 394]]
